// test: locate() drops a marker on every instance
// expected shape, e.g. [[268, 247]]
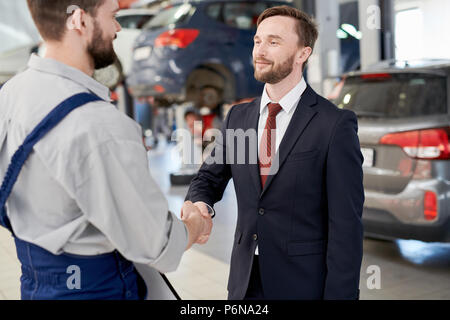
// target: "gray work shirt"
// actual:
[[86, 188]]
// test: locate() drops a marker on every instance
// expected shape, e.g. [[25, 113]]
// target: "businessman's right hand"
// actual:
[[198, 225]]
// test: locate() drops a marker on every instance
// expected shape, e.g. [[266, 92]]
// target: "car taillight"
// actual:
[[180, 38], [430, 205], [159, 88], [429, 144], [376, 76]]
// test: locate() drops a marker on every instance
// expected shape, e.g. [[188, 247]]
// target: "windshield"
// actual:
[[171, 16], [16, 26], [394, 95]]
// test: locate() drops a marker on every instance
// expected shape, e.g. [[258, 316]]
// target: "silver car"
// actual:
[[404, 128]]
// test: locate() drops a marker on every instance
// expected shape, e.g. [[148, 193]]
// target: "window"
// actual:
[[171, 16], [133, 21], [421, 28], [396, 96], [409, 35], [243, 15], [213, 11]]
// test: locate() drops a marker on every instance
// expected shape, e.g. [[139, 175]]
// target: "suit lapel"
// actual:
[[300, 120]]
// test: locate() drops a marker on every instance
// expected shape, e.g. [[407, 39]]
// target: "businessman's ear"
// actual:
[[303, 55]]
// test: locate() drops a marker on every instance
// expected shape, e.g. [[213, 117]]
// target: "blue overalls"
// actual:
[[46, 276]]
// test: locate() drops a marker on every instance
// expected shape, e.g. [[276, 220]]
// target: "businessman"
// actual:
[[299, 232], [84, 205]]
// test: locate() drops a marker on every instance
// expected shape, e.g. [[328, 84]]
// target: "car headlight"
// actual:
[[142, 53]]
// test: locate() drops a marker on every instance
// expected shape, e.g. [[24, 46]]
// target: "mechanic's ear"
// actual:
[[80, 21], [74, 22]]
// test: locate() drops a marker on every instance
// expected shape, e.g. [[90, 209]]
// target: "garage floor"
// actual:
[[408, 269]]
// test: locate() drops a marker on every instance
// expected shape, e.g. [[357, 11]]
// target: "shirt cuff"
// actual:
[[170, 257], [211, 210]]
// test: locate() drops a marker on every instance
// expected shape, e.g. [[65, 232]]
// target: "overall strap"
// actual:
[[21, 155]]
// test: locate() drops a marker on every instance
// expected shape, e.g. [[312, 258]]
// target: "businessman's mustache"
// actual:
[[262, 61]]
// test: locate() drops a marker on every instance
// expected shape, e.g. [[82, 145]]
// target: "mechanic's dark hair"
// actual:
[[50, 16], [307, 29], [191, 112]]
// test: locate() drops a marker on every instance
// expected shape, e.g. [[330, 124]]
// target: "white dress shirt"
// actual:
[[86, 188], [288, 104]]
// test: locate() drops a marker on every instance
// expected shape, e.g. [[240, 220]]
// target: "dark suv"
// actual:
[[196, 44], [404, 129]]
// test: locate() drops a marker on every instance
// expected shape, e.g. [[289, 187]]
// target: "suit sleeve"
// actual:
[[345, 194], [213, 177]]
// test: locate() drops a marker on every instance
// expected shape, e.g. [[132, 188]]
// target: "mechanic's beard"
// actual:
[[277, 73], [101, 51]]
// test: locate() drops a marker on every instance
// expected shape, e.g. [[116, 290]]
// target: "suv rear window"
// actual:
[[394, 95], [175, 15]]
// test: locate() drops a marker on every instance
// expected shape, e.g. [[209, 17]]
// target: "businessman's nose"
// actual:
[[259, 52]]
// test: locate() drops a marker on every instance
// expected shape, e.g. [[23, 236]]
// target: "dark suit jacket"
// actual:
[[307, 219]]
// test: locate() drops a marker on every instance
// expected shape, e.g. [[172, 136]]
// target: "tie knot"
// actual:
[[274, 109]]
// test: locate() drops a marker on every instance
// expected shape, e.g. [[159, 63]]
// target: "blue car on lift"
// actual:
[[198, 51]]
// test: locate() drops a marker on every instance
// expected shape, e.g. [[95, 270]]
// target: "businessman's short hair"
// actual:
[[307, 29]]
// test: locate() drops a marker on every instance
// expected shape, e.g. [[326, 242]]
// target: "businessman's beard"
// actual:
[[277, 72], [100, 49]]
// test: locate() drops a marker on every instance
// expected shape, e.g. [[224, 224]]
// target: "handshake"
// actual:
[[198, 222]]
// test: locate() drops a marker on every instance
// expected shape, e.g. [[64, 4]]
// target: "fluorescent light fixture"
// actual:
[[341, 34], [351, 30]]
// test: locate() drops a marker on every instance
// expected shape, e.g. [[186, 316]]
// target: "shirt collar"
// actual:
[[289, 101], [55, 67]]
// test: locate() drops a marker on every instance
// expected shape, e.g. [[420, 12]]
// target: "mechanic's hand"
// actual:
[[205, 213], [198, 224]]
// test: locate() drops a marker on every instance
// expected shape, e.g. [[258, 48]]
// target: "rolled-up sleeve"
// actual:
[[117, 194]]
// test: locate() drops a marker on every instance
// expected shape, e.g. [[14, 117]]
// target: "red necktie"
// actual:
[[268, 142]]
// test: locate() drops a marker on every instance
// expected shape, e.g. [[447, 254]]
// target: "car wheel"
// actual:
[[203, 78], [211, 97]]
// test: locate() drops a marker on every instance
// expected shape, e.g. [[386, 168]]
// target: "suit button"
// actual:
[[261, 212], [255, 237]]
